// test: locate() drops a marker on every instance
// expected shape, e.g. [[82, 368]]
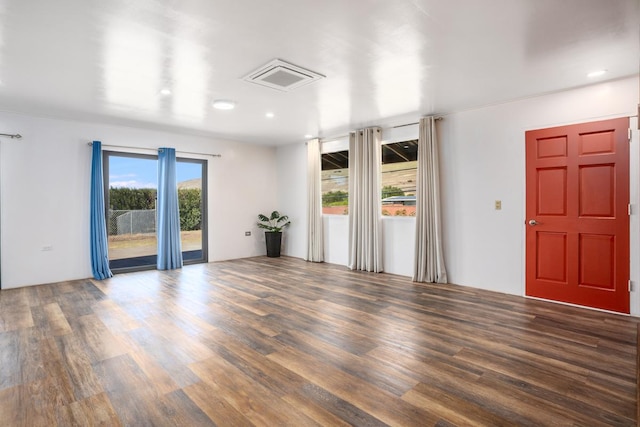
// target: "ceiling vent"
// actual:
[[283, 76]]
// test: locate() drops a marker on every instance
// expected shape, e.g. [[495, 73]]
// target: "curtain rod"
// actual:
[[154, 149], [12, 136], [437, 119], [331, 138]]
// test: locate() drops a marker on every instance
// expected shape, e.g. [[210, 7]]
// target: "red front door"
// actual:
[[577, 238]]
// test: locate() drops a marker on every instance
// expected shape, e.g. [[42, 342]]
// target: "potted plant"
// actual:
[[273, 224]]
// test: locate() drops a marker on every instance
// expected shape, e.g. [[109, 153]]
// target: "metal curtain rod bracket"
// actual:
[[154, 149], [12, 136]]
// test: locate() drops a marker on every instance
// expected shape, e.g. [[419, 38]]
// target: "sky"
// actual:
[[134, 172]]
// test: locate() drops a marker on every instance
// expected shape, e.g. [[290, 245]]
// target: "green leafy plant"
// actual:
[[390, 191], [189, 200], [275, 222], [335, 198]]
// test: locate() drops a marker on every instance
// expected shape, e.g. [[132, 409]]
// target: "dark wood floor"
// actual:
[[273, 342]]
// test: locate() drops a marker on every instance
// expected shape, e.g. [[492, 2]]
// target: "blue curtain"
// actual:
[[98, 231], [169, 246]]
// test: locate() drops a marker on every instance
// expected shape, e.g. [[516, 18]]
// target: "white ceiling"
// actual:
[[109, 60]]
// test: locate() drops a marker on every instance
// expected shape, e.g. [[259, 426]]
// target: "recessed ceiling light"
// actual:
[[224, 104], [308, 136], [269, 115], [165, 92], [597, 73]]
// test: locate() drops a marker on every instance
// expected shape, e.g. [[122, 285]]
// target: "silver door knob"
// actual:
[[533, 222]]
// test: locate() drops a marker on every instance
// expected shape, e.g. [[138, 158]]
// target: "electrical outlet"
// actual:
[[498, 205], [47, 248], [247, 233]]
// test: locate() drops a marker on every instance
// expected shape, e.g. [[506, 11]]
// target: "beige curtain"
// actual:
[[429, 258], [365, 233], [315, 244]]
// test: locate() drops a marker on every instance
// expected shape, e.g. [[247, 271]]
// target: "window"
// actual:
[[398, 176], [399, 170], [131, 182], [335, 183]]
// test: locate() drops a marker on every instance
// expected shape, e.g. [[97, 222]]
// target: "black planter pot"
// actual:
[[274, 242]]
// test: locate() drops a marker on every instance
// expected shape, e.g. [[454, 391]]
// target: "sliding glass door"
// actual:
[[192, 189], [131, 190]]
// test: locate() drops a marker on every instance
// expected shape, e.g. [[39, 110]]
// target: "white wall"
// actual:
[[336, 239], [398, 239], [45, 194], [292, 197], [482, 160]]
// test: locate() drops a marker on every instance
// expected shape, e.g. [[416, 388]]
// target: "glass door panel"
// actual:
[[131, 210], [191, 178]]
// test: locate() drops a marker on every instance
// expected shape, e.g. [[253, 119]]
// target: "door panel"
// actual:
[[577, 239], [597, 261], [552, 191], [597, 143], [552, 257], [551, 147], [597, 191]]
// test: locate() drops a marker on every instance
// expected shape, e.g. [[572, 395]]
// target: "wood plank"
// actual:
[[12, 407], [551, 381], [133, 398], [316, 412], [569, 407], [159, 377], [315, 397], [179, 410], [172, 357], [280, 341], [217, 408], [57, 321], [254, 365], [452, 408], [56, 371], [99, 342], [353, 390], [114, 317], [382, 376], [77, 366], [258, 403], [10, 364], [95, 410], [20, 316]]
